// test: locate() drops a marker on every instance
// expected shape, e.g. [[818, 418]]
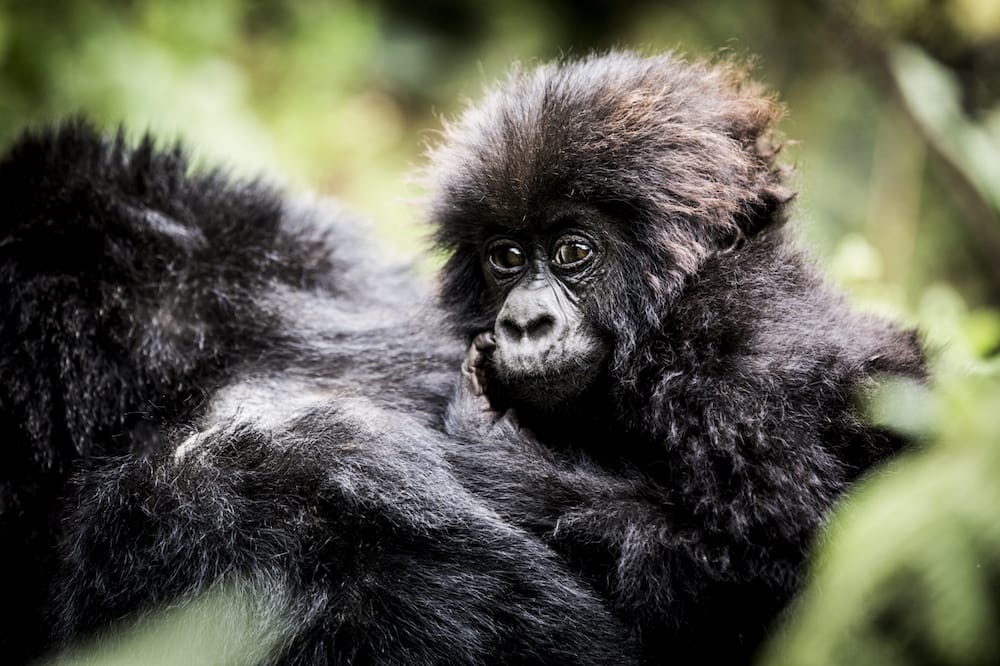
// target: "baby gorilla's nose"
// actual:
[[530, 316], [535, 326]]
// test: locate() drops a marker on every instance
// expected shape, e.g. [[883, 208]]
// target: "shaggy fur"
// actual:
[[201, 384], [688, 480]]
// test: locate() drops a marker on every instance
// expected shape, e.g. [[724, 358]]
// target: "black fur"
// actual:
[[202, 384], [689, 478]]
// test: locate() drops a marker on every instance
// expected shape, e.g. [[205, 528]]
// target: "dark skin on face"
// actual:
[[543, 351]]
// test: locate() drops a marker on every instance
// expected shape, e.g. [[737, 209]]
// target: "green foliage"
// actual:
[[933, 95], [232, 624]]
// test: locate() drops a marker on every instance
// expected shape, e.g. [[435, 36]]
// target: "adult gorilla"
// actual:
[[209, 385], [618, 265]]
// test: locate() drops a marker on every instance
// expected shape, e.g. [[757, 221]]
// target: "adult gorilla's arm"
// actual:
[[347, 521]]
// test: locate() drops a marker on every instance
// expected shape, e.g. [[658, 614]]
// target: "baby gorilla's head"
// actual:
[[577, 199]]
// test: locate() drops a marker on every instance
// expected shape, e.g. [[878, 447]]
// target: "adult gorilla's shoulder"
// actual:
[[165, 265]]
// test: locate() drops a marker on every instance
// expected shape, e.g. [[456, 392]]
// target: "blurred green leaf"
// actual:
[[232, 624], [856, 260], [932, 94]]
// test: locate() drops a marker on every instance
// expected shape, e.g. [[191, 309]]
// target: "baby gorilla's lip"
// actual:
[[528, 359], [547, 380]]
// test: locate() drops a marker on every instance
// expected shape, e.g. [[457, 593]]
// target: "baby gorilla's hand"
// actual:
[[474, 365], [470, 413]]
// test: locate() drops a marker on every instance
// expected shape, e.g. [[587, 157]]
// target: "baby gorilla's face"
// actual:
[[546, 350]]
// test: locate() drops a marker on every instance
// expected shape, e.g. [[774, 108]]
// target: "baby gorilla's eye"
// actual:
[[506, 257], [571, 253]]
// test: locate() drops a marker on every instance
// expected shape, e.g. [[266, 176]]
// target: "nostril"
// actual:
[[535, 329], [540, 327], [506, 328]]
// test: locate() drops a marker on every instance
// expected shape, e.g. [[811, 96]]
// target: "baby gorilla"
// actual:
[[684, 383]]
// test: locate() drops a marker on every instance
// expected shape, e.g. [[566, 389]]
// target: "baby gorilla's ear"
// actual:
[[750, 116], [764, 212]]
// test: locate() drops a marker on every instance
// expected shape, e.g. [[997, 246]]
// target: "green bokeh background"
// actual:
[[894, 127]]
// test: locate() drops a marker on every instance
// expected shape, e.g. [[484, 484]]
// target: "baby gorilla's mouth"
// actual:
[[547, 378]]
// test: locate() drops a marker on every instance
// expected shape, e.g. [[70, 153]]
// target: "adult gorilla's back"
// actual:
[[205, 383]]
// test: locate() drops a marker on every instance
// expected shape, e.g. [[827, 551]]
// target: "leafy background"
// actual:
[[894, 110]]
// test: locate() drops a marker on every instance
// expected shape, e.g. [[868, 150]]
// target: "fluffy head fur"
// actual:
[[681, 154]]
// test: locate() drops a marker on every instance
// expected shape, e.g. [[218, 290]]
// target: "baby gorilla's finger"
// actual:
[[485, 342], [474, 365]]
